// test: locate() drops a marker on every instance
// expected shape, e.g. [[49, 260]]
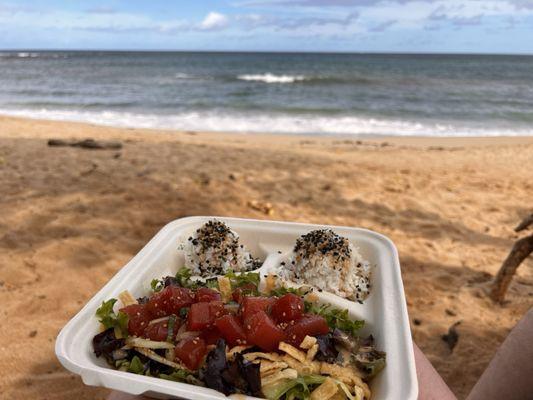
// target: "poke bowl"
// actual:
[[216, 306]]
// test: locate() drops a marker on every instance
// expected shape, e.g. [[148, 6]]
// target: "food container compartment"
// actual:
[[384, 311]]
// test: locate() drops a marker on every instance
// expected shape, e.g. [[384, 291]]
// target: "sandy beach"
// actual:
[[70, 218]]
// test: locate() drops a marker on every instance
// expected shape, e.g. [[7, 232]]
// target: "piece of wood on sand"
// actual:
[[86, 144], [520, 251]]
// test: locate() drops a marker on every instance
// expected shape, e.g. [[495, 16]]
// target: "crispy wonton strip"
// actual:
[[235, 350], [311, 353], [148, 344], [325, 391], [266, 356], [285, 374], [308, 342], [224, 286], [126, 298], [310, 367], [292, 351], [270, 366], [346, 375], [156, 357], [270, 283]]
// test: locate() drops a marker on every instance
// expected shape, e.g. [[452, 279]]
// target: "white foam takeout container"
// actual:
[[384, 311]]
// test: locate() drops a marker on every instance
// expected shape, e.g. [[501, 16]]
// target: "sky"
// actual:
[[468, 26]]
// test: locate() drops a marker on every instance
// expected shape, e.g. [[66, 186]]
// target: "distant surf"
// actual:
[[271, 78]]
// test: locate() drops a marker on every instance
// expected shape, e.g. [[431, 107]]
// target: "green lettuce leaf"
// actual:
[[136, 366], [157, 285], [299, 388], [179, 375], [335, 317], [280, 291], [109, 319]]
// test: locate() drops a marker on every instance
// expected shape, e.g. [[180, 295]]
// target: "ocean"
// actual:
[[325, 94]]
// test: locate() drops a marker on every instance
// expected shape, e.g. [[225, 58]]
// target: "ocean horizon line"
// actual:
[[229, 51]]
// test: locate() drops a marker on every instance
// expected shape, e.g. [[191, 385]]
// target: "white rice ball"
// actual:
[[323, 259], [214, 249]]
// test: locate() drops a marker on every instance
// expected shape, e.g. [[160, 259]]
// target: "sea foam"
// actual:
[[219, 121], [271, 78]]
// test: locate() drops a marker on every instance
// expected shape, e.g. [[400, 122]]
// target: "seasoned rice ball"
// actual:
[[214, 249], [323, 259]]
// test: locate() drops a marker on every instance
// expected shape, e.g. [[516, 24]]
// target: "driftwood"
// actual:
[[524, 224], [520, 251], [86, 144]]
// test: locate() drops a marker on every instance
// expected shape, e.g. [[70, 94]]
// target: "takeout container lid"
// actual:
[[384, 311]]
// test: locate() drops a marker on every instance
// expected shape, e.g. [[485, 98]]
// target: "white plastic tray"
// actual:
[[384, 311]]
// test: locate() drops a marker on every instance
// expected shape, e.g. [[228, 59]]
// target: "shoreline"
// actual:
[[72, 129]]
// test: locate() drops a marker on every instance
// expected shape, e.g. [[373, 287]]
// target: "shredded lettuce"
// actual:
[[109, 319], [299, 388], [183, 278], [243, 278], [335, 317], [280, 291]]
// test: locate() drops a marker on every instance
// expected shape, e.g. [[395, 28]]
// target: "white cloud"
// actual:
[[213, 21]]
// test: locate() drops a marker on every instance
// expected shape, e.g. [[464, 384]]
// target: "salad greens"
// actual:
[[109, 319], [299, 388], [282, 290], [244, 278], [157, 285], [183, 278], [179, 375], [136, 366], [335, 317]]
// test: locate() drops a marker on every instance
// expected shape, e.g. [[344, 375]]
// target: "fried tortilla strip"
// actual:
[[270, 283], [325, 391], [311, 297], [360, 393], [268, 367], [308, 342], [224, 286], [338, 396], [346, 375], [266, 356], [337, 370], [288, 373], [126, 298], [311, 353], [309, 367], [230, 354], [156, 357], [292, 351]]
